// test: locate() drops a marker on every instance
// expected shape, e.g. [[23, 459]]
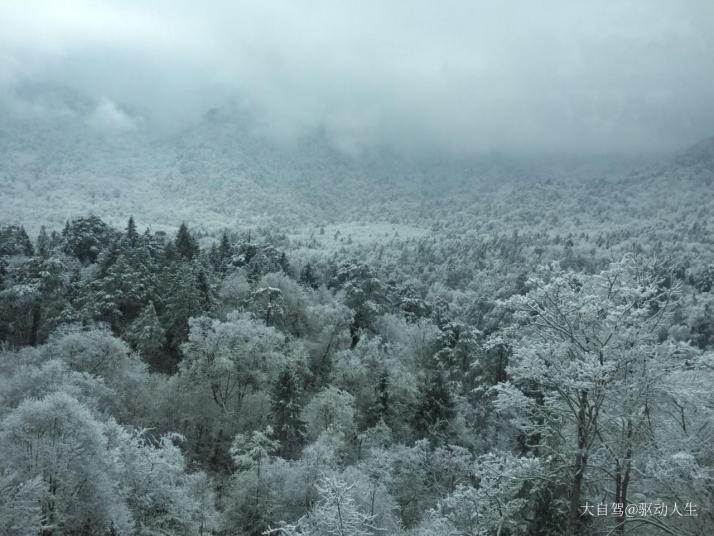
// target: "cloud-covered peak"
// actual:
[[457, 77], [108, 117]]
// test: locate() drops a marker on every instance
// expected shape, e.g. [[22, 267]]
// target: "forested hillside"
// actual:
[[225, 171], [503, 358]]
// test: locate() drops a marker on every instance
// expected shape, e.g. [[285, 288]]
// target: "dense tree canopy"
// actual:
[[471, 380]]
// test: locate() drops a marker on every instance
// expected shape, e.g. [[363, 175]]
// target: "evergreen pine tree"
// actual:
[[204, 288], [225, 249], [183, 299], [87, 237], [285, 409], [3, 272], [284, 264], [55, 240], [379, 408], [307, 277], [109, 257], [435, 410], [146, 334], [186, 245], [14, 241], [131, 233], [170, 254], [214, 257], [27, 248], [43, 243]]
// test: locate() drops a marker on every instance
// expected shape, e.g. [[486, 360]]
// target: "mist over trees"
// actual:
[[356, 268], [493, 367]]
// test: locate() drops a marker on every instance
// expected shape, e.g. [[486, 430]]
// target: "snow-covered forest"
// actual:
[[211, 329], [486, 365]]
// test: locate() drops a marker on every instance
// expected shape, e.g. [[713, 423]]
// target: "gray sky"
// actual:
[[464, 76]]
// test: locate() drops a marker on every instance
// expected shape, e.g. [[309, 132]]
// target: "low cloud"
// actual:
[[463, 77], [107, 117]]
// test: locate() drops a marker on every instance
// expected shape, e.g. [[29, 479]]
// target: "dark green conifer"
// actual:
[[43, 243], [131, 233], [435, 410], [285, 410], [186, 245], [307, 277]]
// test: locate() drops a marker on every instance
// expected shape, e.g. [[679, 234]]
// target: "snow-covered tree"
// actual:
[[20, 504], [146, 334], [496, 504], [164, 498], [57, 442], [582, 345], [185, 243], [331, 410], [334, 514], [285, 412], [231, 358]]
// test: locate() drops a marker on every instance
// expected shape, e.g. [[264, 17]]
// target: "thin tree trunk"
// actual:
[[622, 480], [581, 460], [354, 333]]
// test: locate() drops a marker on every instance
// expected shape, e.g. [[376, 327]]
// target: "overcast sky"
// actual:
[[465, 76]]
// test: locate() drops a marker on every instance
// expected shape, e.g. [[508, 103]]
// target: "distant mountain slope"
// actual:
[[699, 158], [57, 161]]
